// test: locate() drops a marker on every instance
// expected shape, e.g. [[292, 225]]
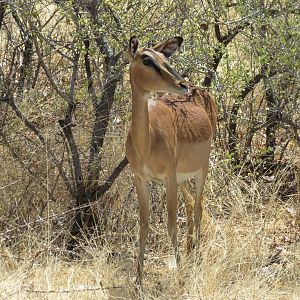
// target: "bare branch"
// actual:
[[36, 74], [54, 45], [68, 133], [67, 291], [234, 32], [232, 139], [50, 18], [28, 124], [120, 30], [27, 55], [295, 126], [223, 42], [218, 31], [102, 114], [19, 22], [88, 71], [74, 76], [110, 180], [66, 125], [43, 64], [26, 166], [42, 139], [101, 39], [2, 11]]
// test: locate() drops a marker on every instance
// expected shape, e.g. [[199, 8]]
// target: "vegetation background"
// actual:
[[68, 209]]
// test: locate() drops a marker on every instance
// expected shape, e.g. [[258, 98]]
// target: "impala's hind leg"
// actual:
[[171, 192], [200, 200]]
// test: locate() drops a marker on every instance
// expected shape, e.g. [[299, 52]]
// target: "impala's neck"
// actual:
[[140, 120]]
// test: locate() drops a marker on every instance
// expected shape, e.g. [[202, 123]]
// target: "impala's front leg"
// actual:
[[171, 187], [142, 188]]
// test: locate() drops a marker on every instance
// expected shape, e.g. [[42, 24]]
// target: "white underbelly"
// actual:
[[149, 175], [181, 177]]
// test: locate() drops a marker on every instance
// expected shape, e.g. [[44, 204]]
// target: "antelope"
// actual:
[[169, 139]]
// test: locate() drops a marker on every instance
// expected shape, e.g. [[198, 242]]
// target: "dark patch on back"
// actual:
[[196, 96]]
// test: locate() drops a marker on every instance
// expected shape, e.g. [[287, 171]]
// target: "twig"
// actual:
[[66, 291], [10, 184], [51, 17], [28, 124]]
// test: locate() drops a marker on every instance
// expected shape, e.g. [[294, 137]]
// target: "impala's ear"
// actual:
[[169, 47], [132, 47]]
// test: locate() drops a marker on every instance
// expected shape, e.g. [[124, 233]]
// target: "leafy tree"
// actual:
[[63, 81]]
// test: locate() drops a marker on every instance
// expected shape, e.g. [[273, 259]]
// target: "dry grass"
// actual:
[[250, 251]]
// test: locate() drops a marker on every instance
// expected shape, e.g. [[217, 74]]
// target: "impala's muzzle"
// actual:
[[183, 87]]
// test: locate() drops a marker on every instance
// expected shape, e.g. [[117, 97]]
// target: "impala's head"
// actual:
[[150, 70]]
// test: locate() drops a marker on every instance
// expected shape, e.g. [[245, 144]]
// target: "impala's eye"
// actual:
[[147, 61]]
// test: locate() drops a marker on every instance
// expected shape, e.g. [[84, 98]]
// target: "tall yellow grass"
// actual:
[[249, 250]]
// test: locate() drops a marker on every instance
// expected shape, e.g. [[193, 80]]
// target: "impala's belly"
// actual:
[[149, 174], [187, 157], [190, 160], [192, 157], [160, 177], [181, 177]]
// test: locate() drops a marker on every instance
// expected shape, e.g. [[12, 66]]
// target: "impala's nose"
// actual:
[[184, 87]]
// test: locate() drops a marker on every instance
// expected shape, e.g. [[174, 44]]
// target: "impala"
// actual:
[[169, 139]]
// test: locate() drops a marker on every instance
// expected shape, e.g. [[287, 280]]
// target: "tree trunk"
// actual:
[[85, 221]]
